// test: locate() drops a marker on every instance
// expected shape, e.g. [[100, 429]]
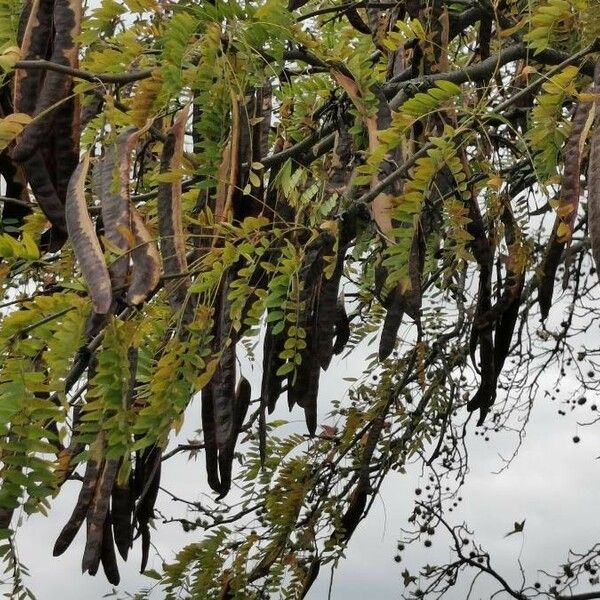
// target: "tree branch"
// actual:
[[119, 78]]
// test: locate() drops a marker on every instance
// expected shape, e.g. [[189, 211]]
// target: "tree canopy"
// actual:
[[192, 187]]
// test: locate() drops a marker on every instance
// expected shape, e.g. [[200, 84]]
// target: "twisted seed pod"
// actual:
[[85, 243]]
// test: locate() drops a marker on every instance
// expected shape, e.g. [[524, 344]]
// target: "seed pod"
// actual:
[[310, 393], [115, 211], [303, 386], [45, 194], [391, 325], [352, 515], [342, 327], [486, 394], [122, 513], [328, 308], [56, 87], [271, 382], [568, 202], [594, 187], [84, 500], [358, 501], [356, 21], [240, 410], [114, 201], [170, 223], [552, 257], [210, 442], [146, 261], [145, 508], [96, 517], [223, 381], [23, 21], [107, 556], [310, 577], [85, 243], [35, 43], [65, 144]]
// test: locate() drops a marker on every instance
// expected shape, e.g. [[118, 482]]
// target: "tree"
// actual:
[[186, 181]]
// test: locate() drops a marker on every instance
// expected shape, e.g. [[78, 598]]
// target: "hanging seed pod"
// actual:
[[594, 179], [170, 223], [145, 508], [35, 41], [145, 259], [84, 500], [85, 243], [107, 555], [96, 517], [56, 86], [240, 410], [122, 516]]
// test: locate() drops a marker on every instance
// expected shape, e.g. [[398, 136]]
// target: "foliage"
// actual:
[[187, 182]]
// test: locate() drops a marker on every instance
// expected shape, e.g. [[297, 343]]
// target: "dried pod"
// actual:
[[96, 517], [56, 86], [84, 500], [170, 223], [85, 243]]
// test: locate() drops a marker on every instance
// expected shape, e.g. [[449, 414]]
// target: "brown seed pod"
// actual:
[[550, 263], [170, 223], [358, 500], [35, 43], [107, 556], [271, 382], [568, 202], [122, 517], [391, 325], [240, 410], [84, 500], [145, 259], [223, 382], [65, 144], [56, 86], [96, 517], [594, 189], [211, 453], [45, 194], [14, 177], [342, 327], [85, 243], [145, 508], [115, 208]]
